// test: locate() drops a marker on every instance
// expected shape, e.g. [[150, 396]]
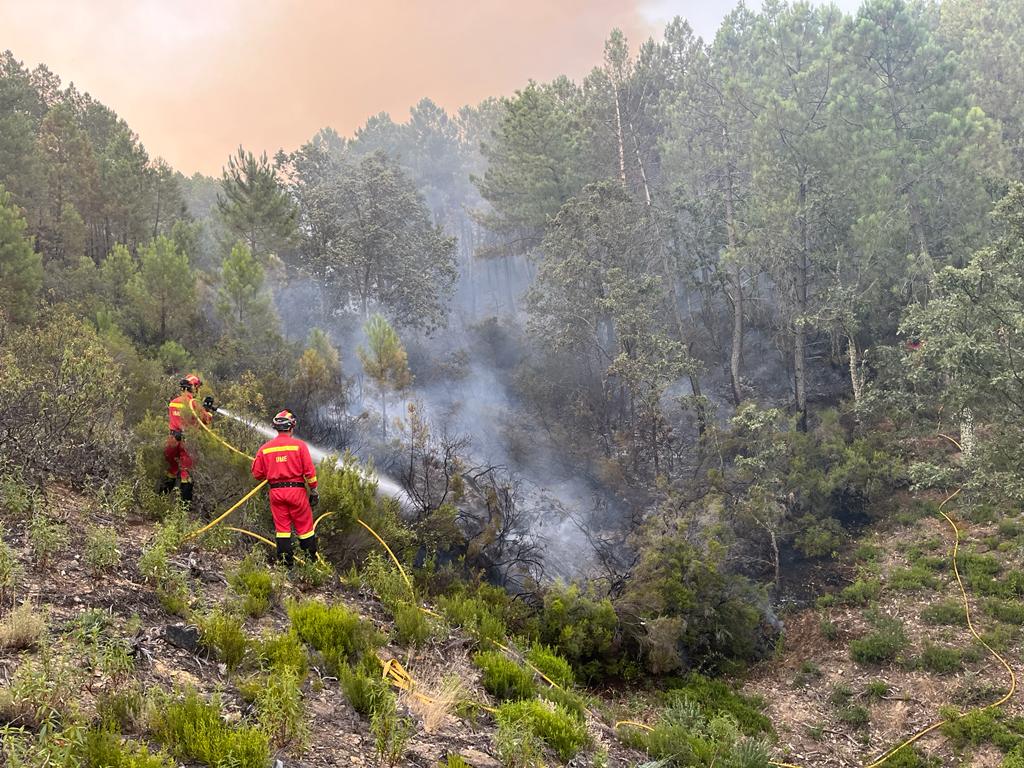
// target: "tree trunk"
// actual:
[[384, 414], [799, 322], [967, 439], [856, 374], [736, 354], [620, 136]]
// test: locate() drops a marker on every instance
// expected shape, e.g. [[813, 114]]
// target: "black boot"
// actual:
[[284, 551], [186, 493], [308, 546]]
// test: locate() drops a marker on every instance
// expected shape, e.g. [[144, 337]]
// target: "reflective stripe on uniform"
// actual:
[[286, 535], [279, 448], [311, 479], [304, 536], [175, 405]]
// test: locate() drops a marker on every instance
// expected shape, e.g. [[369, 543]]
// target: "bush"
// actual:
[[10, 568], [474, 616], [391, 733], [1010, 611], [222, 633], [551, 664], [283, 651], [503, 678], [913, 578], [939, 660], [947, 612], [121, 710], [581, 629], [103, 749], [47, 537], [981, 726], [336, 632], [363, 686], [22, 628], [569, 700], [558, 728], [279, 709], [384, 579], [518, 745], [192, 729], [101, 550], [412, 627], [861, 593], [883, 644], [254, 583]]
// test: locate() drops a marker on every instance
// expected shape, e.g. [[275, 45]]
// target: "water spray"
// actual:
[[385, 485]]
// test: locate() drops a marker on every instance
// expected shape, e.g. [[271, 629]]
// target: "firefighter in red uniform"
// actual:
[[182, 413], [286, 465]]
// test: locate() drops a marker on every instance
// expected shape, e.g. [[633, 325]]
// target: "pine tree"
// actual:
[[163, 290], [253, 205], [384, 361], [21, 269], [241, 297]]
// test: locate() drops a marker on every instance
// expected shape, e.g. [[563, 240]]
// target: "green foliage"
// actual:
[[503, 678], [854, 715], [22, 628], [876, 689], [581, 629], [385, 362], [222, 633], [886, 640], [104, 749], [47, 537], [982, 726], [914, 578], [518, 746], [947, 612], [192, 729], [163, 292], [862, 592], [412, 627], [253, 205], [101, 548], [381, 575], [474, 616], [21, 268], [1010, 611], [567, 699], [349, 491], [336, 632], [714, 697], [121, 710], [940, 660], [557, 727], [551, 664], [391, 733], [280, 712], [281, 651], [10, 568], [253, 581], [363, 685]]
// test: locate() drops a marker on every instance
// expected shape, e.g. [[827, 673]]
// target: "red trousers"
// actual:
[[290, 507], [178, 460]]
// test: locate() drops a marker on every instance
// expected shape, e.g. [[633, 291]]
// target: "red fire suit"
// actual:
[[181, 414], [286, 465]]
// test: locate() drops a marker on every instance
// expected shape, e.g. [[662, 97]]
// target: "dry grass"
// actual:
[[22, 628], [436, 702]]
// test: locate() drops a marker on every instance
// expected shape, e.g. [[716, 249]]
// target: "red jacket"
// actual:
[[284, 459], [182, 411]]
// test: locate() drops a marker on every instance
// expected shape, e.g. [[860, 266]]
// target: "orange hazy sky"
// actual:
[[195, 79]]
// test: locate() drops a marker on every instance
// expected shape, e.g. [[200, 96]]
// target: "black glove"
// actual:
[[208, 404], [314, 498]]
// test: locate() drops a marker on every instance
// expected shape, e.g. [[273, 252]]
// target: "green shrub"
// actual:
[[474, 616], [1010, 611], [982, 726], [861, 593], [581, 629], [947, 612], [876, 689], [222, 633], [47, 537], [412, 627], [391, 733], [808, 673], [881, 645], [453, 760], [551, 664], [569, 700], [280, 711], [22, 628], [913, 578], [384, 579], [336, 632], [101, 548], [283, 651], [121, 710], [940, 660], [253, 582], [363, 686], [10, 568], [855, 715], [192, 729], [867, 552], [518, 745], [103, 749], [715, 697], [503, 678], [558, 728]]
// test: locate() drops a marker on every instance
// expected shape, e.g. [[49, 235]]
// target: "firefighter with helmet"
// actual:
[[182, 413], [284, 462]]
